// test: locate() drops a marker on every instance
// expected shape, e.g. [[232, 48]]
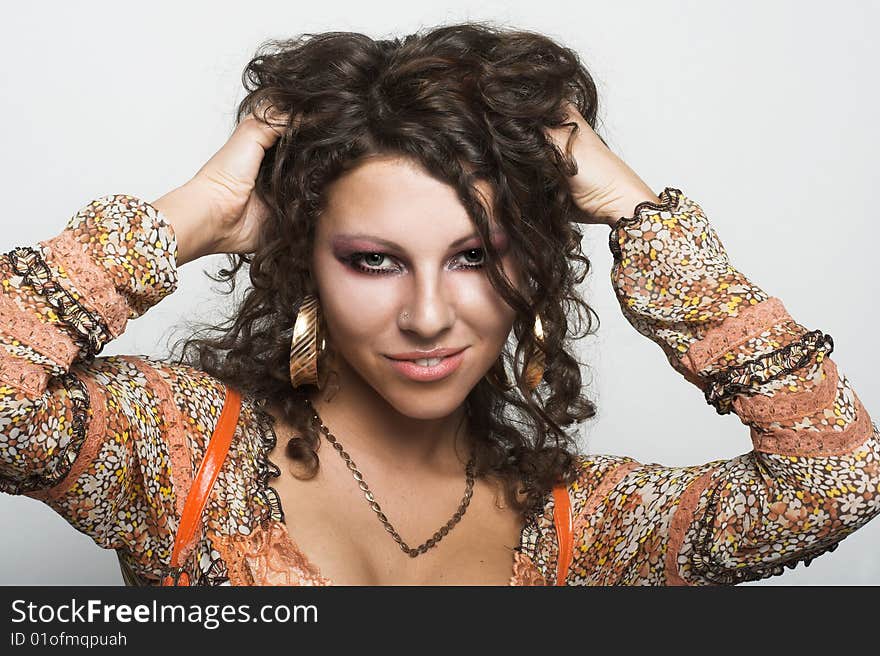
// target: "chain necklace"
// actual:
[[438, 535]]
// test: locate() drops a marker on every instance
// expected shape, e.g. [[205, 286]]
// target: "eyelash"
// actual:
[[352, 261]]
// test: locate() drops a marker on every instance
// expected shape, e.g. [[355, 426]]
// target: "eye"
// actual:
[[371, 262], [478, 254]]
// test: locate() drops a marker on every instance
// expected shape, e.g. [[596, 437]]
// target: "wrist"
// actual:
[[186, 212], [625, 207]]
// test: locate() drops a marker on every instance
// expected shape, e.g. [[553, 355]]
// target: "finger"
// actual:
[[263, 132]]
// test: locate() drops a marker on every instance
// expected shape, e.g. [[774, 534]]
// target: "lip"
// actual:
[[441, 370], [417, 355]]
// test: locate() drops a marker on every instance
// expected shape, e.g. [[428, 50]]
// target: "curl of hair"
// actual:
[[467, 101]]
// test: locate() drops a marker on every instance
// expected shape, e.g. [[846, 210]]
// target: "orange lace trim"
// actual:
[[25, 376], [174, 433], [733, 331], [40, 335], [270, 556], [525, 572], [96, 288]]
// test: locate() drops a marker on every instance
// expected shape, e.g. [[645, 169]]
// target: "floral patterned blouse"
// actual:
[[112, 443]]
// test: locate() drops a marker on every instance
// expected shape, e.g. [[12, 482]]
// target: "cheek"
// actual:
[[486, 313], [501, 313], [355, 307]]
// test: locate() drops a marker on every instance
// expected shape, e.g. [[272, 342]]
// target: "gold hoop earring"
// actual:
[[497, 376], [306, 345], [535, 368]]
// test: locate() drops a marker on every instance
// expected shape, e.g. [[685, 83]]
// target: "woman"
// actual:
[[396, 201]]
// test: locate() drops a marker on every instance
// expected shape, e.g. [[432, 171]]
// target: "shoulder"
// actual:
[[197, 395], [172, 410], [242, 497], [593, 468], [191, 402], [177, 402], [597, 474]]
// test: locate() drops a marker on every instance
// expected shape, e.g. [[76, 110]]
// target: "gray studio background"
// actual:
[[763, 112]]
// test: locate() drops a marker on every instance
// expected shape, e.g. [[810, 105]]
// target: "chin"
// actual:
[[414, 399], [423, 403]]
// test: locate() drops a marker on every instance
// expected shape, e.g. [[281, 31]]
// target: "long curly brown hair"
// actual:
[[467, 101]]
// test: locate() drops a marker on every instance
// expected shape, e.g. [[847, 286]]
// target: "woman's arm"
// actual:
[[813, 475], [96, 438], [111, 443]]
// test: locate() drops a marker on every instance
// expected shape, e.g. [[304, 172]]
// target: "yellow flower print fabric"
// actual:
[[112, 442], [812, 477]]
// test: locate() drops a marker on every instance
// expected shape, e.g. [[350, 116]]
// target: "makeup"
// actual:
[[420, 373]]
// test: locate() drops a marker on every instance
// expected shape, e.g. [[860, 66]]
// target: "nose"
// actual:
[[430, 310]]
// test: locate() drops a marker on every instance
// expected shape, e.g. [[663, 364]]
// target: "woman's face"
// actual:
[[397, 263]]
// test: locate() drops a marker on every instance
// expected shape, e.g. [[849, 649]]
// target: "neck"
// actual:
[[372, 430]]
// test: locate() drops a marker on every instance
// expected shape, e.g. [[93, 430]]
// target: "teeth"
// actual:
[[428, 362]]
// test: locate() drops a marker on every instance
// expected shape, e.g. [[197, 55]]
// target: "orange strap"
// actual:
[[564, 530], [218, 447]]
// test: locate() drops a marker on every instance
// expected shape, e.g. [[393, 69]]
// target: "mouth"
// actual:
[[427, 369]]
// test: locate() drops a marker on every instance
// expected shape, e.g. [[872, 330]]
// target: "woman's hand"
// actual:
[[216, 211], [604, 187], [227, 181]]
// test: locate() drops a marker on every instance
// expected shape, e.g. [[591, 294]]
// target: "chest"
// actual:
[[338, 534]]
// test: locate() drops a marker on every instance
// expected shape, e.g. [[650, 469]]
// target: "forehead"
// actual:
[[391, 194]]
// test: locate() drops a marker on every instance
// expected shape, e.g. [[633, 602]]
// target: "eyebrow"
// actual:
[[393, 245]]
